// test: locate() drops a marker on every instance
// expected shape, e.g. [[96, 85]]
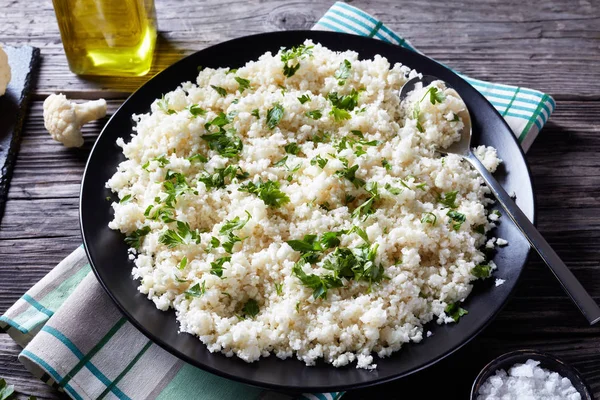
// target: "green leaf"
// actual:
[[368, 206], [308, 244], [304, 98], [290, 71], [234, 225], [281, 162], [429, 218], [268, 192], [448, 199], [196, 290], [222, 92], [163, 105], [293, 55], [183, 234], [274, 115], [125, 199], [196, 110], [320, 161], [347, 102], [292, 148], [456, 219], [183, 263], [175, 185], [350, 174], [480, 229], [251, 308], [5, 390], [136, 237], [218, 179], [243, 84], [392, 189], [360, 232], [314, 114], [435, 95], [279, 289], [386, 164], [161, 212], [319, 284], [455, 311], [231, 71], [219, 121], [216, 267], [339, 114], [482, 271], [255, 113], [226, 143], [197, 157], [343, 72]]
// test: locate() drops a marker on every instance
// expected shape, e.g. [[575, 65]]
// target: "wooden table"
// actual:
[[552, 45]]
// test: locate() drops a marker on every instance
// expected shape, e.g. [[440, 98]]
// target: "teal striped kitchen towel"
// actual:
[[525, 110], [75, 339]]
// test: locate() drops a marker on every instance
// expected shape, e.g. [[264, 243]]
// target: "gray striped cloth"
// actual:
[[75, 339]]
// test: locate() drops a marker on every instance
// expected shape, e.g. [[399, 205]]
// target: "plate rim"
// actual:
[[308, 388]]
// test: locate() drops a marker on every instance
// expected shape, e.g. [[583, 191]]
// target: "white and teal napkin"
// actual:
[[75, 339]]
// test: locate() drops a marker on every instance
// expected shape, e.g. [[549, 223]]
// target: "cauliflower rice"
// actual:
[[366, 173]]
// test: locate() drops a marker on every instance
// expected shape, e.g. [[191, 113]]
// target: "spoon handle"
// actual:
[[568, 281]]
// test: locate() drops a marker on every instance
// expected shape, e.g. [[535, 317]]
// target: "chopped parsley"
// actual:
[[175, 185], [222, 92], [416, 115], [435, 95], [497, 213], [218, 179], [292, 148], [274, 115], [183, 263], [314, 114], [480, 229], [343, 72], [226, 143], [358, 264], [182, 235], [196, 110], [279, 289], [231, 71], [320, 161], [281, 162], [291, 58], [197, 157], [339, 114], [227, 230], [429, 218], [196, 290], [216, 267], [455, 311], [250, 309], [319, 284], [345, 102], [368, 206], [125, 199], [448, 199], [163, 105], [255, 113], [161, 212], [268, 192], [393, 190], [456, 219], [136, 237], [304, 98], [482, 271], [350, 173], [243, 83]]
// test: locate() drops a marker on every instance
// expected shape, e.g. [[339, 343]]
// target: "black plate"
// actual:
[[108, 253]]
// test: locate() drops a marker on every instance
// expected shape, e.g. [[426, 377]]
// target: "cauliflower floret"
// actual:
[[64, 119], [4, 71]]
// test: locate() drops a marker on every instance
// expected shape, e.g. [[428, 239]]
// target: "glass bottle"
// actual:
[[107, 37]]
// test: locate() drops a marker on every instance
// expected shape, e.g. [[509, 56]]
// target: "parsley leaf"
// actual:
[[267, 191], [360, 232], [163, 105], [251, 308], [136, 237], [294, 55], [6, 390], [368, 206], [314, 114], [350, 174], [386, 164], [346, 102], [393, 190], [274, 115], [226, 143], [319, 284], [243, 83], [125, 199], [281, 162], [255, 113], [196, 290], [175, 185], [183, 263], [292, 148], [216, 267], [234, 225], [358, 264], [279, 289], [435, 95], [455, 311], [196, 110], [222, 92], [429, 218], [320, 161], [339, 114], [448, 199], [182, 235], [197, 157], [162, 212], [343, 72], [304, 98], [482, 271], [456, 219], [217, 180]]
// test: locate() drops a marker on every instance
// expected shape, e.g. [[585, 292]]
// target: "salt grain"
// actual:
[[527, 382]]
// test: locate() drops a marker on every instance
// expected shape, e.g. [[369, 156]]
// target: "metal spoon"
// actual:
[[568, 281]]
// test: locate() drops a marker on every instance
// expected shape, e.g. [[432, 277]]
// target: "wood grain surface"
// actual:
[[553, 46]]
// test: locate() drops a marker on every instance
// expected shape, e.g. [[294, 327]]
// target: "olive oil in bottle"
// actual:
[[107, 37]]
